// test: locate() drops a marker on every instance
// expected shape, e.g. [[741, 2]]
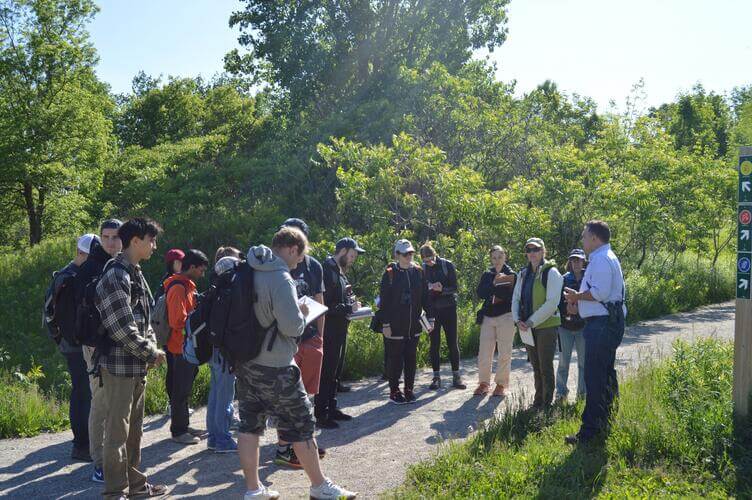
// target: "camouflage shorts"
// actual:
[[274, 392]]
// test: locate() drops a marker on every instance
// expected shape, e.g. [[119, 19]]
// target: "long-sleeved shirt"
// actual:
[[553, 292], [604, 280], [121, 299], [181, 301], [497, 299], [447, 297]]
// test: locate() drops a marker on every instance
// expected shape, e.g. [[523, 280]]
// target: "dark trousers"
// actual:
[[341, 364], [446, 318], [80, 399], [601, 342], [401, 354], [334, 351], [542, 358], [179, 380]]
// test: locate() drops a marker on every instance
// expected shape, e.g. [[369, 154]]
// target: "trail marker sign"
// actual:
[[742, 393]]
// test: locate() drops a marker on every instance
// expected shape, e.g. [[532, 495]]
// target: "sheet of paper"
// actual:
[[362, 313], [527, 337], [315, 309]]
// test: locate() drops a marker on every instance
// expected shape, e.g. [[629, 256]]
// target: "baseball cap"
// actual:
[[577, 253], [225, 264], [174, 254], [403, 246], [348, 243], [84, 242], [536, 242], [295, 222]]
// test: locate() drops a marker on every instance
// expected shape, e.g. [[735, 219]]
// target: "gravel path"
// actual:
[[369, 454]]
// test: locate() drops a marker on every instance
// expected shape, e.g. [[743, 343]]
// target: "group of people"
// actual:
[[293, 381]]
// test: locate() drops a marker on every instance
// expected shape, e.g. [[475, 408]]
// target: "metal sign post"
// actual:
[[743, 324]]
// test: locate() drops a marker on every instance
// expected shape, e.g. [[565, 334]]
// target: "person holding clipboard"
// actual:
[[535, 310]]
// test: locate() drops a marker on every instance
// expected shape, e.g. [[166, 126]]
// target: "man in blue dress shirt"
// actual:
[[601, 303]]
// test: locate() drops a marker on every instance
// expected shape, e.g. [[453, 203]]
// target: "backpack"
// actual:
[[159, 320], [60, 299], [233, 326], [89, 329], [197, 349]]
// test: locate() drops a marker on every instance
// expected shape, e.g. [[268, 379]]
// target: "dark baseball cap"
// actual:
[[348, 243], [577, 253], [297, 223]]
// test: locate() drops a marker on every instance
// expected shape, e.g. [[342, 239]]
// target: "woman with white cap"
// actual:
[[403, 298], [535, 310]]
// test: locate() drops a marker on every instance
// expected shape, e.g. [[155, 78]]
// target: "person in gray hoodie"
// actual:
[[270, 384]]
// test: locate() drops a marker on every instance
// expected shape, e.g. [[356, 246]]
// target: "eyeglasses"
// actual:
[[532, 250]]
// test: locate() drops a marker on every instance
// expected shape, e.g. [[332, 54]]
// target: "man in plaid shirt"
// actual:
[[123, 302]]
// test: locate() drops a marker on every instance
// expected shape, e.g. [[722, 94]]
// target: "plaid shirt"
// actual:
[[121, 300]]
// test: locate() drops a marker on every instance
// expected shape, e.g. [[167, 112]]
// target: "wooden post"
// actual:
[[743, 323]]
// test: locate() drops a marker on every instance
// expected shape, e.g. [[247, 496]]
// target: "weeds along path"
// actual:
[[370, 454]]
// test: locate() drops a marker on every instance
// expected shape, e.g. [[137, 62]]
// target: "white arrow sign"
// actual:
[[746, 186], [743, 284], [744, 234]]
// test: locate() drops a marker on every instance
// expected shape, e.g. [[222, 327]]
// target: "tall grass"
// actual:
[[672, 436]]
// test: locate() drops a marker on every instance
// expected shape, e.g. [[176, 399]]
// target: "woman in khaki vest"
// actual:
[[535, 310]]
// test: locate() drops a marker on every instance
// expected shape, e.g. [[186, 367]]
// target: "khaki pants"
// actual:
[[123, 399], [96, 413], [497, 332]]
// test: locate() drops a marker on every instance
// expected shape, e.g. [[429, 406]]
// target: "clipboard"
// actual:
[[315, 309], [527, 337]]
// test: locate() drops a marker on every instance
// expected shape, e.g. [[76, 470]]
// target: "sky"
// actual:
[[595, 48]]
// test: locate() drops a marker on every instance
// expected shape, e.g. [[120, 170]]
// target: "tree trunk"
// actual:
[[34, 213]]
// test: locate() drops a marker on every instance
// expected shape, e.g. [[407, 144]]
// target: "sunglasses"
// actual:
[[532, 250], [407, 254]]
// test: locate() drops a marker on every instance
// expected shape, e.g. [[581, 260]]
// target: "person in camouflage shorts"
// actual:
[[265, 391]]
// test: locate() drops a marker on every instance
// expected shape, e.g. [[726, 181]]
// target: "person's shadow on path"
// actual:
[[583, 470], [459, 423]]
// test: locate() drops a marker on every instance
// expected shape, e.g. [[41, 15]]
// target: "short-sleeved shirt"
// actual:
[[309, 281]]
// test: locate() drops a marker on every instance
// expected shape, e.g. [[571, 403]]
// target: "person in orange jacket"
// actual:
[[181, 300]]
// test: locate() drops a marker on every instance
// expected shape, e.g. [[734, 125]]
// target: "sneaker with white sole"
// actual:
[[328, 490], [263, 493], [186, 439], [98, 475]]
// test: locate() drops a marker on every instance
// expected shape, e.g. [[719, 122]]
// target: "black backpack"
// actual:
[[233, 326], [197, 327], [59, 315], [89, 329]]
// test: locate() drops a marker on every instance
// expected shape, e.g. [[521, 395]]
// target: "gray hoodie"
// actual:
[[277, 300]]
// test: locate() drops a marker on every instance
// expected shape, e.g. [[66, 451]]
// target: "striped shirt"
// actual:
[[123, 304]]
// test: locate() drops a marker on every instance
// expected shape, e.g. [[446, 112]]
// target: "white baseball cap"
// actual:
[[403, 246], [84, 242]]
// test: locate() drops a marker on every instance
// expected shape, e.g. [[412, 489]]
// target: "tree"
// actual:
[[54, 131], [325, 51]]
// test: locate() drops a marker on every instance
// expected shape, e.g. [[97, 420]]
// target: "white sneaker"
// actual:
[[329, 490], [262, 493]]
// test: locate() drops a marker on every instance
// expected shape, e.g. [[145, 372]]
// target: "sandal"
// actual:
[[150, 491]]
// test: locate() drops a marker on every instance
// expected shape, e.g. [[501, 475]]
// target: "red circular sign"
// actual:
[[745, 217]]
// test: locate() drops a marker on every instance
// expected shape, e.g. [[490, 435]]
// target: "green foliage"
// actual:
[[156, 391], [55, 133], [672, 437]]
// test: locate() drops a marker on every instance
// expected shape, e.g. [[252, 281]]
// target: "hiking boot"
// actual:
[[435, 384], [263, 493], [326, 423], [286, 457], [81, 454], [498, 391], [410, 396], [397, 398], [328, 490], [339, 415], [186, 438], [482, 389], [98, 475], [457, 382]]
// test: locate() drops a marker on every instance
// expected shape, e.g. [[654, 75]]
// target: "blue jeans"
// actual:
[[219, 407], [602, 337], [569, 339]]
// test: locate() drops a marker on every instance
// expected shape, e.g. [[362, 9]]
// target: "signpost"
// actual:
[[743, 325]]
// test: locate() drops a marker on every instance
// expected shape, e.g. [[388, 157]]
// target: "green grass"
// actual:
[[671, 437], [25, 410]]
